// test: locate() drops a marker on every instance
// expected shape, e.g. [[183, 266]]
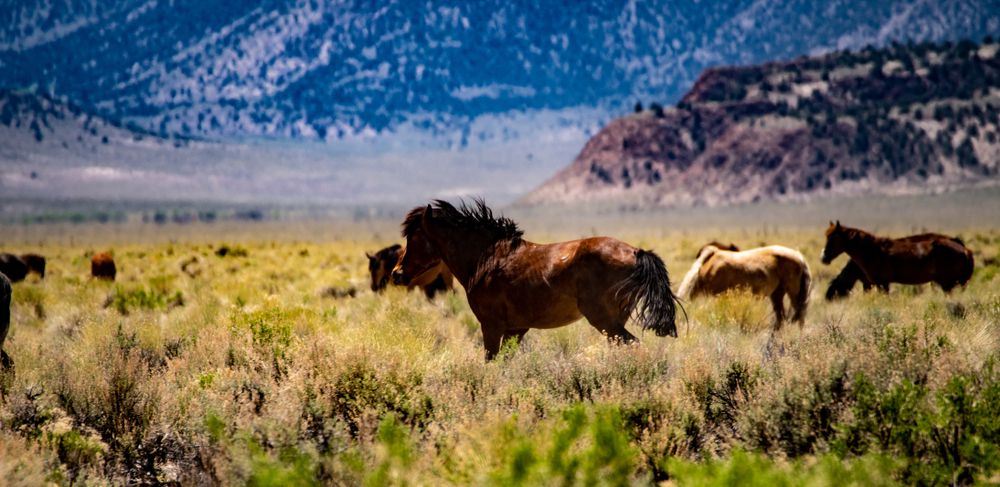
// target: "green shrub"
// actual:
[[360, 391], [751, 469], [584, 449], [157, 295]]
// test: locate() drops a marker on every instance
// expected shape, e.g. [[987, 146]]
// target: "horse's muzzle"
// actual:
[[825, 259]]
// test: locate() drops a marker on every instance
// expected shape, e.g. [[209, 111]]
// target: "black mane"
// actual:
[[476, 216]]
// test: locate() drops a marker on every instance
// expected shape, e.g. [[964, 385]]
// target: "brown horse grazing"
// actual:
[[842, 285], [917, 259], [766, 271], [35, 263], [6, 363], [381, 264], [514, 285], [102, 266], [13, 267]]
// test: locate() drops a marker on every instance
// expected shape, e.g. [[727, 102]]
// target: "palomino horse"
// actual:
[[380, 266], [767, 271], [514, 285], [917, 259]]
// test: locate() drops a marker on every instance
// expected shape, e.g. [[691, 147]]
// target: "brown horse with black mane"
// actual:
[[514, 285], [917, 259], [380, 266]]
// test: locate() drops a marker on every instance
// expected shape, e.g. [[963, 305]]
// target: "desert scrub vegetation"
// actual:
[[197, 368]]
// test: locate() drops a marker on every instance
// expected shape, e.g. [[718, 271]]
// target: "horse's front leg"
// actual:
[[493, 334]]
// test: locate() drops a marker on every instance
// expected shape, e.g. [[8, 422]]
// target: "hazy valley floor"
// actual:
[[238, 370]]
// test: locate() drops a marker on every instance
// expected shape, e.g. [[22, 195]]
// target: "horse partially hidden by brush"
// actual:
[[917, 259], [6, 363], [380, 266], [514, 285], [766, 271]]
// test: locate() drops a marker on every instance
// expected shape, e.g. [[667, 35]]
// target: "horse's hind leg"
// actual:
[[608, 319], [778, 303]]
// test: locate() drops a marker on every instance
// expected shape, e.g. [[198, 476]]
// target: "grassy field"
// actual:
[[240, 370]]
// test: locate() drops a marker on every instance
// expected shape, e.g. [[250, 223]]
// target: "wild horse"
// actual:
[[773, 271], [917, 259], [514, 285], [380, 265]]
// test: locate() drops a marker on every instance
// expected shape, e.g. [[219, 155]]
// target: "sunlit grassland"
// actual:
[[241, 371]]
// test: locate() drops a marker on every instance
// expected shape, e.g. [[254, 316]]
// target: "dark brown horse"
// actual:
[[13, 267], [514, 285], [917, 259], [842, 285], [35, 263], [381, 264], [6, 364]]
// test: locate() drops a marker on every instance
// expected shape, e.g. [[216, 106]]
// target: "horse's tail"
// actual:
[[646, 293], [969, 268], [691, 278], [801, 302]]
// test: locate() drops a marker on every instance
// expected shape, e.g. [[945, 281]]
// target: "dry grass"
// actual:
[[245, 374]]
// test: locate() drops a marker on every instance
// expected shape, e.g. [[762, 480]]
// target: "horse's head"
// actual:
[[419, 257], [381, 264], [836, 240]]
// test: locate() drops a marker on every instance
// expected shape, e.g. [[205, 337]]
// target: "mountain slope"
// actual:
[[330, 68], [902, 119]]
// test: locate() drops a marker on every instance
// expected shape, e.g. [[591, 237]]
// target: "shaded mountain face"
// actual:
[[901, 119], [323, 69]]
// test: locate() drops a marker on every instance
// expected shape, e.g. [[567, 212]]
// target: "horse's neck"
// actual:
[[864, 246], [464, 259], [476, 264]]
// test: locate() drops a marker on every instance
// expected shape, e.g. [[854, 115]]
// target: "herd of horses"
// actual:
[[514, 285]]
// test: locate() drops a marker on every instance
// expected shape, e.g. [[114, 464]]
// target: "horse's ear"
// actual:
[[369, 255], [838, 223]]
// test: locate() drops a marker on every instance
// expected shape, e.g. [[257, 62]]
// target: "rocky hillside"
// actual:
[[323, 69], [901, 119], [39, 122]]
